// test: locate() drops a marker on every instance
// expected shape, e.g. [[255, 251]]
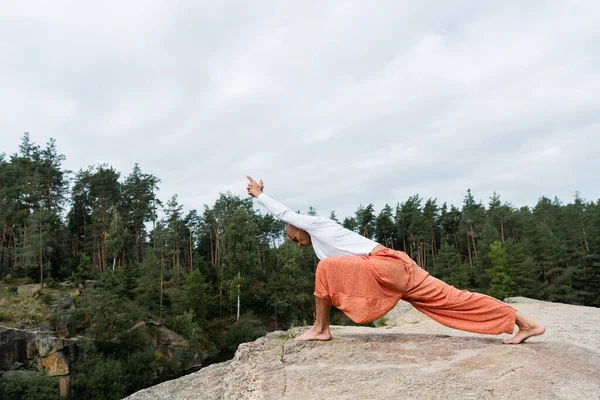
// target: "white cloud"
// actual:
[[334, 104]]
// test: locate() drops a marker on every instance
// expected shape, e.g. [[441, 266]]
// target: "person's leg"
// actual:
[[349, 284], [527, 329], [470, 311], [320, 330]]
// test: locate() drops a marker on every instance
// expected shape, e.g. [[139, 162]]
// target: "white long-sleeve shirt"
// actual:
[[328, 238]]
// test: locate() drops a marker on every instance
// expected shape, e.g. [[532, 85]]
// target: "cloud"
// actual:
[[333, 105]]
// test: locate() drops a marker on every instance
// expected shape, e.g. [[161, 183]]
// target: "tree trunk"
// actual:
[[587, 247], [14, 253], [137, 244], [473, 239], [212, 253], [161, 287], [41, 257], [581, 258], [469, 249], [25, 242], [191, 252], [142, 244], [259, 261]]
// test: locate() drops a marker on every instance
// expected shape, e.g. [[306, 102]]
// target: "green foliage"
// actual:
[[24, 310], [187, 269], [83, 270], [246, 329], [121, 281], [196, 294], [140, 368], [29, 386], [502, 282], [46, 298], [112, 372], [105, 316], [290, 286], [99, 378], [148, 290], [464, 276], [446, 263], [339, 318], [187, 325], [50, 282]]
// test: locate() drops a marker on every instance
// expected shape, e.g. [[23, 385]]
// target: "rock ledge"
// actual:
[[398, 361]]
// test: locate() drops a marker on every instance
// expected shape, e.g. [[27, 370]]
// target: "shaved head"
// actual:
[[298, 235]]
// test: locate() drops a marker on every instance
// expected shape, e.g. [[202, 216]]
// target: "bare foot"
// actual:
[[527, 329], [313, 334]]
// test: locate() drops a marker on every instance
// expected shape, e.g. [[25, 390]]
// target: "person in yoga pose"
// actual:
[[366, 280]]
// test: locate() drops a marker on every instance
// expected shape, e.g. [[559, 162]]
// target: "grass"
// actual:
[[290, 334], [30, 307]]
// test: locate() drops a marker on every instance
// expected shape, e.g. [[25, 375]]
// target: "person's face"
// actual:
[[299, 236]]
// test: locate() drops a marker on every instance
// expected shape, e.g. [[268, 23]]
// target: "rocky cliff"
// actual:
[[39, 351], [410, 357]]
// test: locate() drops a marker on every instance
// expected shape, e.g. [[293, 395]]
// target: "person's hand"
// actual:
[[254, 188]]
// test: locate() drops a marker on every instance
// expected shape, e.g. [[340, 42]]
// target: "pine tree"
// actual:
[[502, 280]]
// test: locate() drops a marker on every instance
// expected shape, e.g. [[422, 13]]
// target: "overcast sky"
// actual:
[[332, 103]]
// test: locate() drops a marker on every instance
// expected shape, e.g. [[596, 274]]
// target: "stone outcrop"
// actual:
[[24, 351], [411, 357], [38, 351]]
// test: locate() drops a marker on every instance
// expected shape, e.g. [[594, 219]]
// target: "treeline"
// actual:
[[196, 271], [549, 252], [56, 223]]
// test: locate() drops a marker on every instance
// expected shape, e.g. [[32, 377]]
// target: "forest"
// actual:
[[226, 274]]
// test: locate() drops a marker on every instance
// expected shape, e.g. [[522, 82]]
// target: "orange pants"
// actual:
[[366, 288]]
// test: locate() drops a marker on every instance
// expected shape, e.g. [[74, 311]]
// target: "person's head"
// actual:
[[298, 235]]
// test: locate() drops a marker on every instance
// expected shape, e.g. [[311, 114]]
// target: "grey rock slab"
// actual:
[[368, 363], [412, 357]]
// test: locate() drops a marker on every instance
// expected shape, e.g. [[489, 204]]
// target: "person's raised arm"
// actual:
[[255, 189]]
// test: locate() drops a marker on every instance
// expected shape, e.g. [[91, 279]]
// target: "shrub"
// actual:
[[29, 386], [381, 321], [12, 290], [107, 372], [246, 329], [187, 325], [46, 298], [50, 283], [339, 318], [4, 315], [104, 316], [25, 310], [140, 369], [97, 377]]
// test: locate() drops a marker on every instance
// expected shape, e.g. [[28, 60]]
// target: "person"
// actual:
[[366, 280]]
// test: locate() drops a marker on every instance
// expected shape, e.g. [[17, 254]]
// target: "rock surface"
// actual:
[[411, 357], [26, 350]]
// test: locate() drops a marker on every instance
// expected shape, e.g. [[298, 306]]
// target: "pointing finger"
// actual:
[[250, 178]]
